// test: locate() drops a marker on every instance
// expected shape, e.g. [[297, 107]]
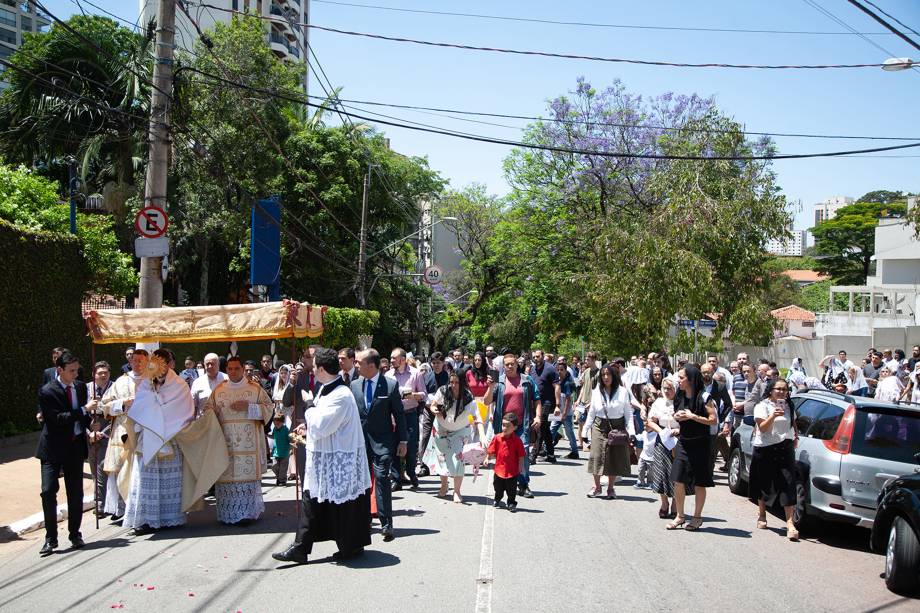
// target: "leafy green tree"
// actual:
[[845, 243], [228, 154], [80, 95], [31, 201], [882, 196], [617, 246]]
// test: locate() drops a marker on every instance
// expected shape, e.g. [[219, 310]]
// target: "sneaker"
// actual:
[[551, 459], [526, 493], [497, 504], [573, 455], [512, 506]]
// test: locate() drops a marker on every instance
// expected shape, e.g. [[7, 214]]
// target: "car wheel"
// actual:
[[799, 513], [735, 482], [902, 558]]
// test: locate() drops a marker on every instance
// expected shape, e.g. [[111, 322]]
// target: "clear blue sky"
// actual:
[[854, 101]]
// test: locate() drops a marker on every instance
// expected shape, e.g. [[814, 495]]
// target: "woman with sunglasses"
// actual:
[[772, 474]]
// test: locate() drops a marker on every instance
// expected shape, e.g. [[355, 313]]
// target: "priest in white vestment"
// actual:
[[116, 403], [336, 496], [243, 408], [162, 407]]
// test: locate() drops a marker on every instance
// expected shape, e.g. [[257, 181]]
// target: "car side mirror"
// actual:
[[749, 420]]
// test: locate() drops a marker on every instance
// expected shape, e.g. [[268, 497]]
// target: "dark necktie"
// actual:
[[346, 377], [68, 390], [368, 393]]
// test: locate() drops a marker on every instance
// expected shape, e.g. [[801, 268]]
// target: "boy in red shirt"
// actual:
[[508, 451]]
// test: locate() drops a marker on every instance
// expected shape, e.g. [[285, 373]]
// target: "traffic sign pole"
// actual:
[[150, 291]]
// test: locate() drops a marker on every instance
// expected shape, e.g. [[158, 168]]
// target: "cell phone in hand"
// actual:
[[494, 374]]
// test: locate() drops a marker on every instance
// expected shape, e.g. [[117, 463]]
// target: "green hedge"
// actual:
[[42, 283]]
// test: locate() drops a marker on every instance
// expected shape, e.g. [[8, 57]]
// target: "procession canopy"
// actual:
[[229, 322]]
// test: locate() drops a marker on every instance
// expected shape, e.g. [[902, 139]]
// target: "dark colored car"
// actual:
[[896, 532]]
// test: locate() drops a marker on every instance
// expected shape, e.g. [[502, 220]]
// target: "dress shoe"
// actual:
[[396, 487], [551, 459], [339, 556], [76, 542], [142, 530], [294, 553], [48, 548], [117, 518], [573, 455], [525, 492], [414, 483], [387, 534], [497, 504], [512, 506]]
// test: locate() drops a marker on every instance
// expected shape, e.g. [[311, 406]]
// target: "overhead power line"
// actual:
[[590, 24], [588, 122], [510, 143], [893, 29], [892, 17], [567, 56]]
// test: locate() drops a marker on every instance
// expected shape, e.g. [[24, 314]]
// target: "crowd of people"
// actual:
[[360, 425]]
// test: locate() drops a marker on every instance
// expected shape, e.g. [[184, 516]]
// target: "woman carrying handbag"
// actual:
[[610, 417]]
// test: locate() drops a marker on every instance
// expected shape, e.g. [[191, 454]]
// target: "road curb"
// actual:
[[36, 521]]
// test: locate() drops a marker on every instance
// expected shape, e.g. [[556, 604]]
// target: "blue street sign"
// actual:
[[706, 323], [686, 323]]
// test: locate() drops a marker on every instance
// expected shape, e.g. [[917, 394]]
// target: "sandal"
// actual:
[[694, 524], [611, 495], [791, 533], [762, 523], [663, 513], [677, 523], [594, 493]]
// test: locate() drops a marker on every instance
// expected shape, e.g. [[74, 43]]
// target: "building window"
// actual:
[[808, 324], [7, 18], [7, 37], [26, 24]]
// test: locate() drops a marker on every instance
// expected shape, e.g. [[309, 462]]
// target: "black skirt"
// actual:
[[692, 465], [772, 474]]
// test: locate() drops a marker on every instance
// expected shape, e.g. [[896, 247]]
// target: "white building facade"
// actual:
[[792, 246], [828, 209], [285, 30], [17, 17], [888, 305]]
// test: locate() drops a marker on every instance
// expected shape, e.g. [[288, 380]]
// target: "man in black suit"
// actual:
[[718, 391], [380, 406], [62, 446]]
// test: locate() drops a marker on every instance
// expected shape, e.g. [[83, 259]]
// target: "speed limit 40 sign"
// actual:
[[433, 274]]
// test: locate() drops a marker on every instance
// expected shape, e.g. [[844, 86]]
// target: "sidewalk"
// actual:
[[20, 474]]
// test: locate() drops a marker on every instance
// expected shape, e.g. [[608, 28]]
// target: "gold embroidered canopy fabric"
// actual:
[[229, 322]]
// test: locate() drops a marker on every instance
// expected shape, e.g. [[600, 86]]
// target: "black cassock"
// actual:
[[347, 523]]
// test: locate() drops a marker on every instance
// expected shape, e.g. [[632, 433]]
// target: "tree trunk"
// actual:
[[203, 287]]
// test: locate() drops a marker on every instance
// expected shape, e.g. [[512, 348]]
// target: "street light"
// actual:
[[396, 242], [894, 64]]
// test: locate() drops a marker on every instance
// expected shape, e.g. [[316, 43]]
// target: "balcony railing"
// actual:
[[279, 39]]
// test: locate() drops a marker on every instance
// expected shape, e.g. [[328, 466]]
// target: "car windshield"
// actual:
[[887, 435]]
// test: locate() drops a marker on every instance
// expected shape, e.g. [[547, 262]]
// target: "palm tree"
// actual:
[[80, 91]]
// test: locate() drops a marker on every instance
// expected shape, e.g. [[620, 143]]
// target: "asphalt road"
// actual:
[[560, 551]]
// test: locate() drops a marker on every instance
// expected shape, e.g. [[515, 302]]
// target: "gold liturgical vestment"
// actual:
[[243, 430], [122, 389]]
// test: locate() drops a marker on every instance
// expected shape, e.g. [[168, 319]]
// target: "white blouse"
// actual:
[[782, 426], [446, 420], [663, 411], [614, 407]]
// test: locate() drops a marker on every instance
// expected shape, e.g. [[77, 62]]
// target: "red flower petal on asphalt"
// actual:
[[191, 595], [149, 587]]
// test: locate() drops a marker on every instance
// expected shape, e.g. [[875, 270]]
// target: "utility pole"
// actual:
[[362, 241], [151, 282]]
